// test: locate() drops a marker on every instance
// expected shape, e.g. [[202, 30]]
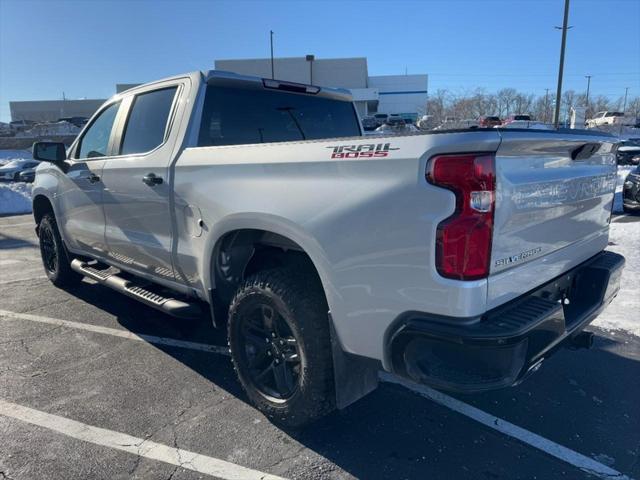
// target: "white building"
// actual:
[[385, 94]]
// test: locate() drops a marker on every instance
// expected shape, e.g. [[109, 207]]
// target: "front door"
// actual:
[[79, 194], [136, 185]]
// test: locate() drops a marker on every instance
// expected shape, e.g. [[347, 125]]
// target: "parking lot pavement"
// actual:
[[158, 405]]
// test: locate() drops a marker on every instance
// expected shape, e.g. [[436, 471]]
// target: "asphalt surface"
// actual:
[[587, 401]]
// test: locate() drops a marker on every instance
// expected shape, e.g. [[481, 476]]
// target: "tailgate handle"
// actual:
[[584, 151]]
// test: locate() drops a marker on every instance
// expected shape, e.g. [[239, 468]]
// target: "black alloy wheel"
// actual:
[[271, 352]]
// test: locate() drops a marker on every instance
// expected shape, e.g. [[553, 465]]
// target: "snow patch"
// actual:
[[15, 198], [622, 313]]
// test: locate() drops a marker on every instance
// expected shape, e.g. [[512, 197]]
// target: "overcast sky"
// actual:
[[83, 48]]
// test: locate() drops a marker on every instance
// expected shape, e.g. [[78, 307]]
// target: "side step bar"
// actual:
[[109, 278]]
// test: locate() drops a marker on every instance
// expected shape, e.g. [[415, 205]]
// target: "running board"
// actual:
[[109, 278]]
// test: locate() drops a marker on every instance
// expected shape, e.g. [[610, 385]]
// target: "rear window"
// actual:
[[522, 117], [235, 116], [616, 114], [147, 121]]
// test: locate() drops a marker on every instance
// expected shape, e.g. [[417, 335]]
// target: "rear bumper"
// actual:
[[507, 343]]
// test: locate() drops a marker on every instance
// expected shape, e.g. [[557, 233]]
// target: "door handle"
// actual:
[[93, 178], [151, 179]]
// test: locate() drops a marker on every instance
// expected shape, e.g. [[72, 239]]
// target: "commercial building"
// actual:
[[52, 110], [385, 94], [402, 94]]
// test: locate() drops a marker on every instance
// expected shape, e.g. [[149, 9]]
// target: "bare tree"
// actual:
[[508, 101]]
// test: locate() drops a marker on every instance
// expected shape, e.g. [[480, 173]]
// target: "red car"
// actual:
[[490, 122]]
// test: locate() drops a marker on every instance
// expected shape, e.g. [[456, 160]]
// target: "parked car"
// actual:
[[323, 269], [395, 121], [27, 176], [11, 171], [628, 151], [609, 118], [381, 118], [517, 118], [426, 122], [369, 123], [489, 122], [631, 191]]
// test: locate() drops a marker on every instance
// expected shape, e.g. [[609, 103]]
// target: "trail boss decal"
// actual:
[[368, 150]]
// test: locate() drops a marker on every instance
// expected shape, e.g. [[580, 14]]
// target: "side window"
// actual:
[[236, 116], [95, 140], [147, 122]]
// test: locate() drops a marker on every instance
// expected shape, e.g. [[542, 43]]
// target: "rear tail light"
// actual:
[[463, 241]]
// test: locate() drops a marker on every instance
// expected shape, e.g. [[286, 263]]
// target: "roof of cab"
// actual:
[[224, 78]]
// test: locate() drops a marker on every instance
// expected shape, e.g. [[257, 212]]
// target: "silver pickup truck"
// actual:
[[457, 259]]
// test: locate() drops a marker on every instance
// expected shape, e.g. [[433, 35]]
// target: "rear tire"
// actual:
[[280, 345], [54, 255]]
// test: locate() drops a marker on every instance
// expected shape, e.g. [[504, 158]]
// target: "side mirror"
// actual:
[[52, 152]]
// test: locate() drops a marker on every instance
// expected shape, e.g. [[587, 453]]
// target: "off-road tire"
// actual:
[[58, 269], [298, 298]]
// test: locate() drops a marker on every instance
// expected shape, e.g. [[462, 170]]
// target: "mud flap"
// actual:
[[354, 376]]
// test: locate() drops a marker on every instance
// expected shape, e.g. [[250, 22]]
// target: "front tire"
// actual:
[[280, 345], [54, 256]]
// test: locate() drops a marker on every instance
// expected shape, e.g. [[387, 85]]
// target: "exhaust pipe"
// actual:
[[582, 340]]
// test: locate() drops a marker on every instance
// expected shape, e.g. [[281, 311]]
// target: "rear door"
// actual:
[[79, 196], [136, 182], [554, 195]]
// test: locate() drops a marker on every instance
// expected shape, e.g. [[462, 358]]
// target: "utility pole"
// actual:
[[626, 92], [564, 29], [546, 105], [588, 77], [272, 70]]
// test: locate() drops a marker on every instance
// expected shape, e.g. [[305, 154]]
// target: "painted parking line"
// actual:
[[136, 446], [534, 440], [556, 450], [115, 332]]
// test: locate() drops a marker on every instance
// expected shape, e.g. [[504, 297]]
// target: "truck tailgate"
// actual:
[[554, 194]]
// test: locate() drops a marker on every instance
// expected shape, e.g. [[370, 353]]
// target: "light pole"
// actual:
[[564, 29], [588, 77], [272, 70], [310, 59]]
